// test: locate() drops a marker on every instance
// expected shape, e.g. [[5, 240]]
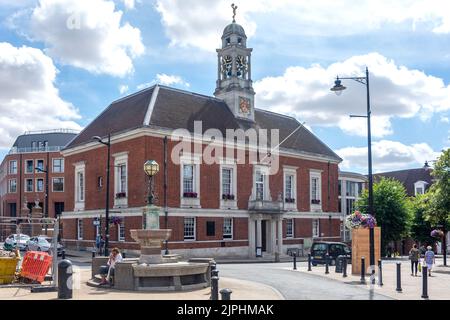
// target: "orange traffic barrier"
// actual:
[[35, 265]]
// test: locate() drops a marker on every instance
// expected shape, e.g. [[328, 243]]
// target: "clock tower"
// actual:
[[234, 83]]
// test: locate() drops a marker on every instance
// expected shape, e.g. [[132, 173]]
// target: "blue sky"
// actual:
[[63, 61]]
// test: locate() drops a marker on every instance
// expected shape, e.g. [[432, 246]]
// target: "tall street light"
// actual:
[[108, 144], [46, 192], [338, 88]]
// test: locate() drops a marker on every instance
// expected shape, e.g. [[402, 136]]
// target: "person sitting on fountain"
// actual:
[[108, 271]]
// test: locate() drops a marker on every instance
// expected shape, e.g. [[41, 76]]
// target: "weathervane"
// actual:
[[234, 11]]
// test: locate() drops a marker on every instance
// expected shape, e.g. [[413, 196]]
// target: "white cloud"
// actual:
[[123, 88], [386, 156], [444, 119], [87, 34], [29, 99], [395, 91], [167, 80], [197, 24], [129, 4]]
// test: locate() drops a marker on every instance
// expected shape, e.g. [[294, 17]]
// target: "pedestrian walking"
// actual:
[[429, 259], [414, 254]]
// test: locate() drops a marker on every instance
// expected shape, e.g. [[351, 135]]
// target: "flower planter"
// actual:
[[361, 248]]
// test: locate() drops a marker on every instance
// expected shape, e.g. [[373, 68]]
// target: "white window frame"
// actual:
[[266, 191], [9, 185], [53, 184], [291, 234], [290, 171], [26, 185], [231, 232], [36, 186], [419, 184], [194, 229], [36, 165], [80, 167], [120, 159], [315, 174], [26, 166], [231, 165], [120, 228], [316, 227], [62, 165], [190, 159], [9, 167], [80, 229]]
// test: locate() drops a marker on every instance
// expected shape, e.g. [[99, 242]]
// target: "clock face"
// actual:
[[241, 65], [244, 105], [227, 64]]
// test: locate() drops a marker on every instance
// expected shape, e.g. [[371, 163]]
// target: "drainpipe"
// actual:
[[166, 209]]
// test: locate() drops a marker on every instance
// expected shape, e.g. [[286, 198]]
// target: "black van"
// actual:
[[334, 249]]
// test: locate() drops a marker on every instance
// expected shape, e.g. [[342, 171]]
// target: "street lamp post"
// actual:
[[338, 88], [108, 144], [46, 193]]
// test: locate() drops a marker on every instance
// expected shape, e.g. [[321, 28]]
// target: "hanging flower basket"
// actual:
[[360, 220], [436, 233], [115, 220]]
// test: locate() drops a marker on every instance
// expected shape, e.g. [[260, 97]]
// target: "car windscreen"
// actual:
[[26, 238], [319, 248]]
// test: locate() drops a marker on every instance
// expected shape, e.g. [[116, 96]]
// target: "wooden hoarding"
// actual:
[[360, 248]]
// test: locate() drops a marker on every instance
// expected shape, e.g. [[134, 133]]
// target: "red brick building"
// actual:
[[22, 185], [229, 208]]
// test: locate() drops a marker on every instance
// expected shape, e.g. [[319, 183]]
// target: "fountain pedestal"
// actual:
[[150, 242]]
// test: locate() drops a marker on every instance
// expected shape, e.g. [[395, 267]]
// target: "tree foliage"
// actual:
[[438, 207], [392, 210], [421, 228]]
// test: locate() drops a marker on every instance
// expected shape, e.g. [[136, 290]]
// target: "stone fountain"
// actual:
[[154, 271]]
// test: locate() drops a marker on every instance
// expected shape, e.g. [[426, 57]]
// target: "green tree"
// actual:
[[421, 228], [438, 210], [392, 210], [438, 206]]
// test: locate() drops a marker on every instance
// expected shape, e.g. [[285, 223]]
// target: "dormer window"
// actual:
[[239, 41], [227, 41], [419, 187]]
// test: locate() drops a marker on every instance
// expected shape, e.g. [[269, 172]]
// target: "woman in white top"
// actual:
[[108, 271]]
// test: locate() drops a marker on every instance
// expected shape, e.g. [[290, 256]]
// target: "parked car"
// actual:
[[43, 243], [334, 249], [19, 240]]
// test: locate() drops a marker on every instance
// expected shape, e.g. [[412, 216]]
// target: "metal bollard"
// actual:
[[399, 279], [327, 263], [63, 254], [295, 261], [65, 279], [363, 270], [380, 273], [226, 294], [214, 288], [213, 267], [309, 262], [93, 254], [123, 255], [344, 267], [425, 282]]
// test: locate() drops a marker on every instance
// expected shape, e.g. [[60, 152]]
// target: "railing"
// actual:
[[265, 206], [15, 150]]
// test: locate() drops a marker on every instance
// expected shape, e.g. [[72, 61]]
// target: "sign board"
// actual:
[[340, 264], [96, 222]]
